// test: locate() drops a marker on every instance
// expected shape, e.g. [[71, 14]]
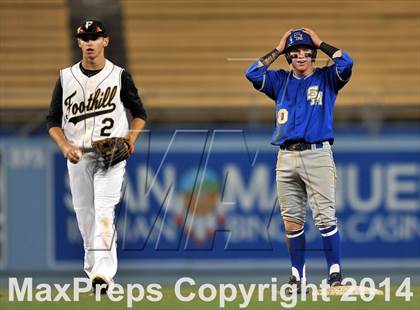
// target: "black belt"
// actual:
[[301, 146]]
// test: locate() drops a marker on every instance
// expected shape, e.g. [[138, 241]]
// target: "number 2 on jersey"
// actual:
[[109, 123], [282, 116]]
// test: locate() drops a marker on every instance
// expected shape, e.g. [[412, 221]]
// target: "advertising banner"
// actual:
[[211, 195]]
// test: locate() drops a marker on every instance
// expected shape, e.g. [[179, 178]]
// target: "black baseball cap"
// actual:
[[91, 29]]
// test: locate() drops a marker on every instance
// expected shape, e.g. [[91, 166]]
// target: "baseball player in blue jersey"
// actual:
[[305, 170]]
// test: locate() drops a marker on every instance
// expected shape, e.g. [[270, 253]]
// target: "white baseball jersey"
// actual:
[[92, 107]]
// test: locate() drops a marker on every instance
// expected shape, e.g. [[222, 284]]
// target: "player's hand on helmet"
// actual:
[[317, 41], [71, 152], [283, 40]]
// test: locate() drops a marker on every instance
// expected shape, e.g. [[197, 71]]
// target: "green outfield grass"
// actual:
[[169, 301]]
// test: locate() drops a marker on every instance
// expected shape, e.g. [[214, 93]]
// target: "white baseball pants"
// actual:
[[95, 193]]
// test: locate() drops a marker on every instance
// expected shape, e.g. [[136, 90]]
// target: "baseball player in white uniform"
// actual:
[[89, 103]]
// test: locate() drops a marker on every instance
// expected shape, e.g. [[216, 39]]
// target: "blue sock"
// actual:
[[296, 244], [331, 241]]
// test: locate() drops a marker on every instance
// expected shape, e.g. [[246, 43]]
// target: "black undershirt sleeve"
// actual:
[[328, 49], [56, 108], [130, 97]]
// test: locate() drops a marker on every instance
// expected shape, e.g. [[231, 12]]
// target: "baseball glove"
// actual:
[[111, 151]]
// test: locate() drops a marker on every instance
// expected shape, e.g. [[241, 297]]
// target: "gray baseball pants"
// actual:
[[307, 176]]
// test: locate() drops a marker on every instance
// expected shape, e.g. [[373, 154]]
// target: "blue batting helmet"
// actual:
[[299, 38]]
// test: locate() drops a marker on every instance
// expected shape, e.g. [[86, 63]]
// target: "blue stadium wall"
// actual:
[[378, 203]]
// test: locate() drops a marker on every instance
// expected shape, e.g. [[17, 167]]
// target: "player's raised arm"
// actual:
[[258, 74], [343, 63]]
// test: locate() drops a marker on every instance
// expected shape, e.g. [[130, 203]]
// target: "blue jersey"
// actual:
[[304, 106]]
